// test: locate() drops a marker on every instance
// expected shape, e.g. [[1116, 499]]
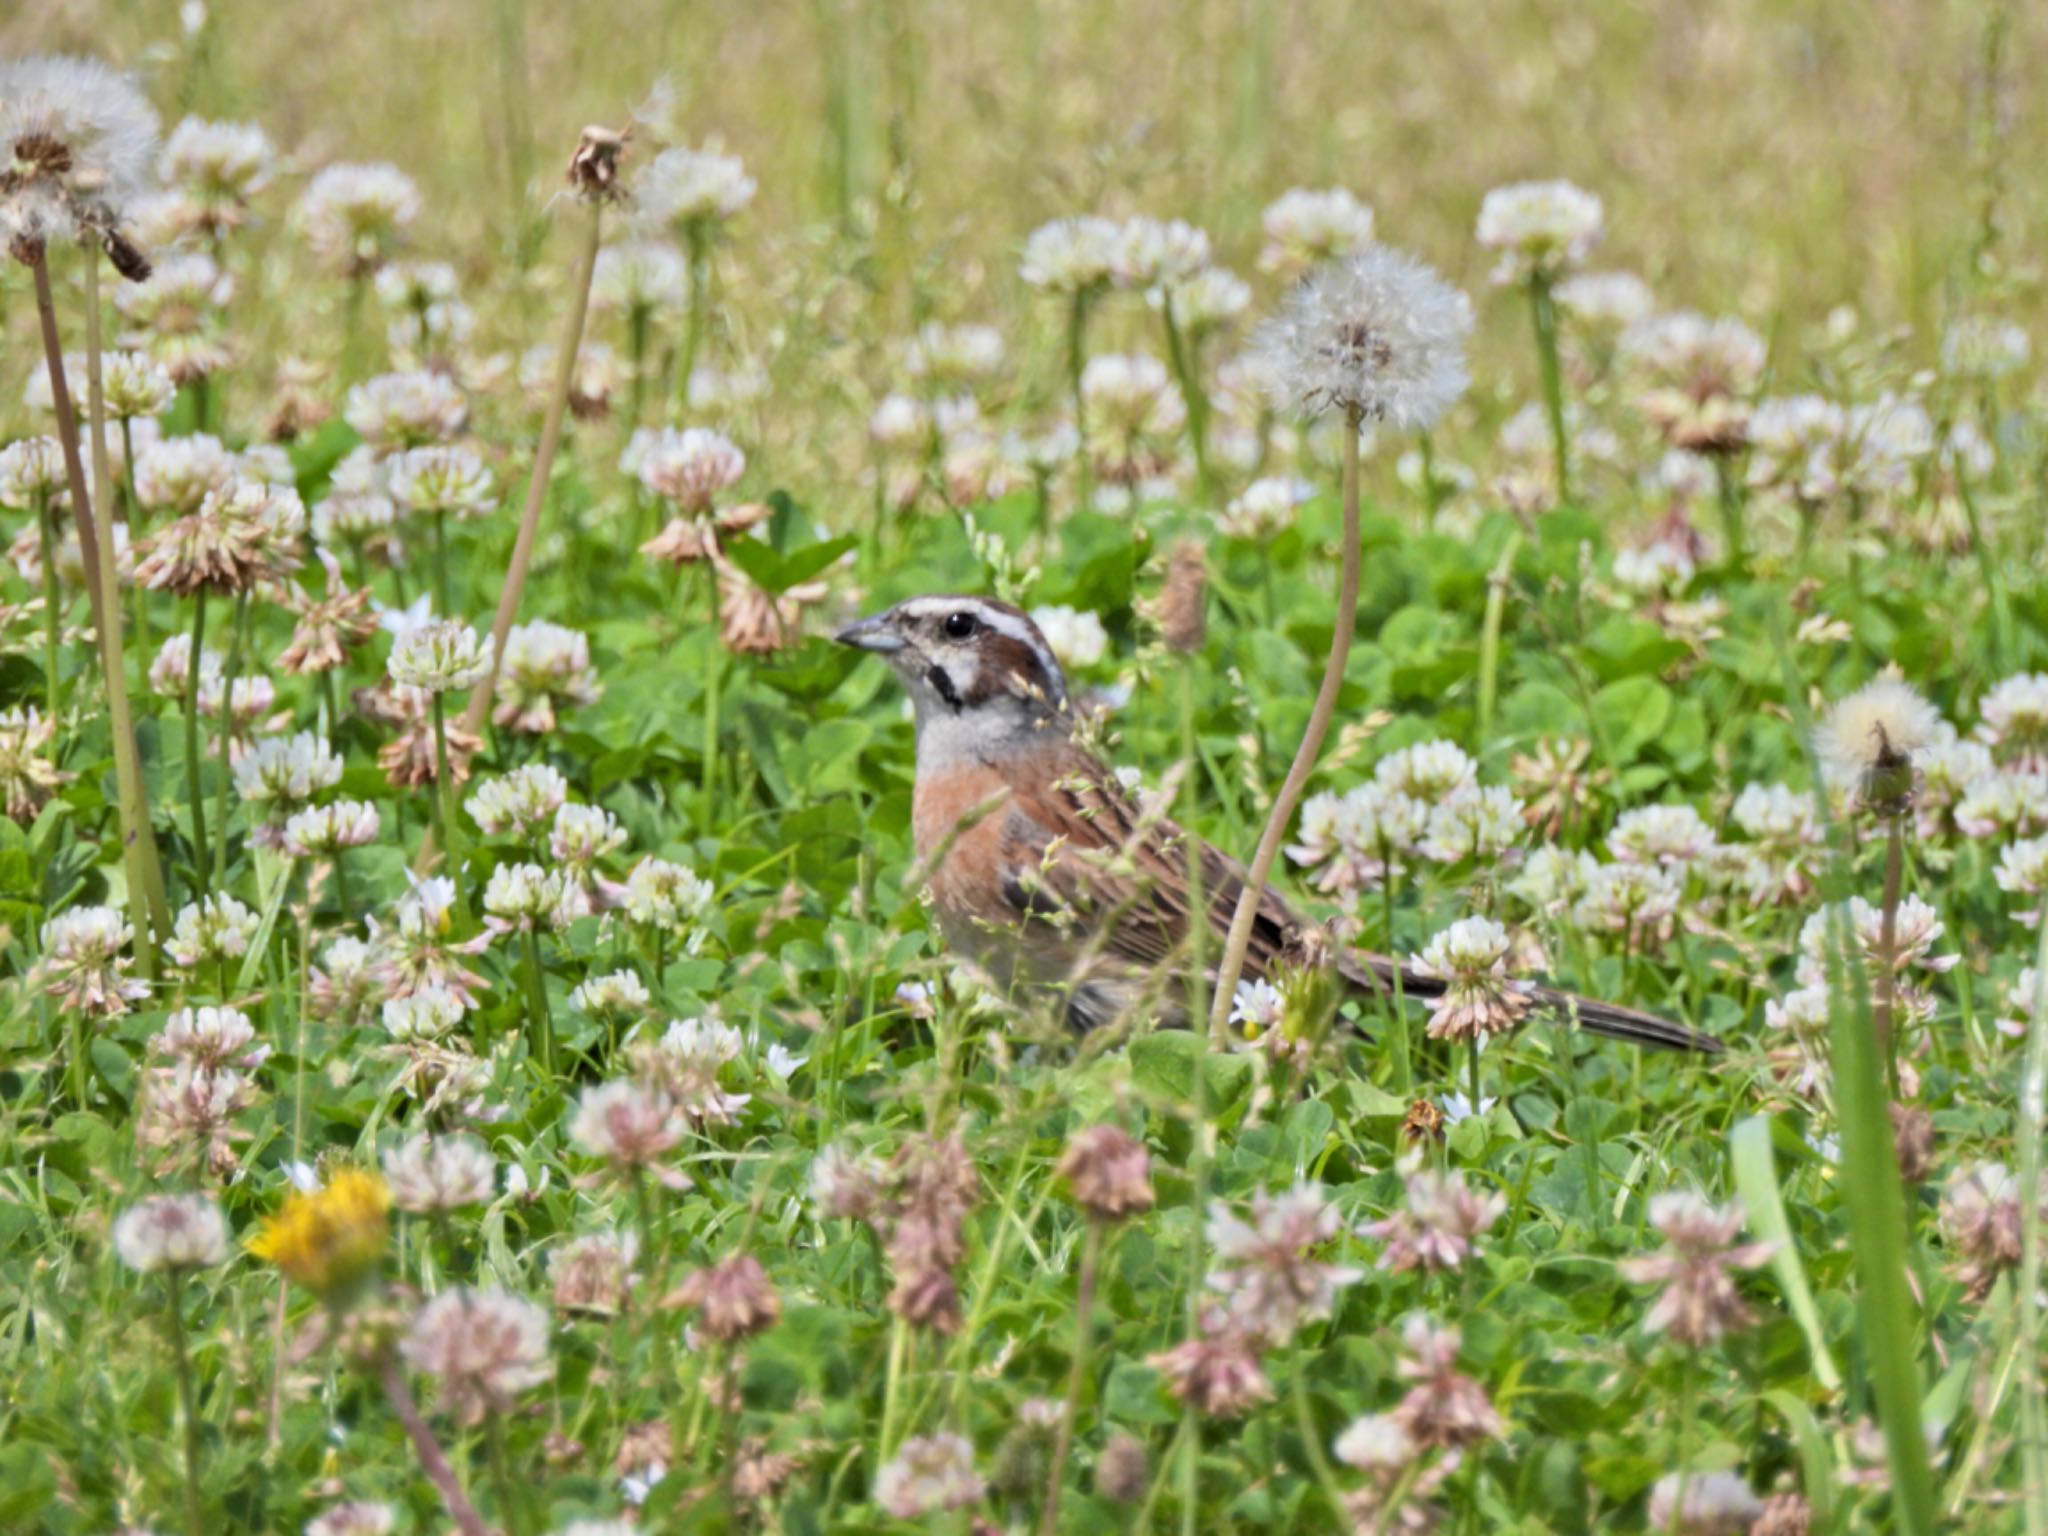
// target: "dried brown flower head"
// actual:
[[1109, 1172], [734, 1298], [594, 167]]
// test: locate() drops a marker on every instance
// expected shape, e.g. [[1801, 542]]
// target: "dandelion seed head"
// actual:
[[1377, 334], [1869, 739]]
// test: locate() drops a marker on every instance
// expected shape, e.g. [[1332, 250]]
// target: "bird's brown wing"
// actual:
[[1079, 850]]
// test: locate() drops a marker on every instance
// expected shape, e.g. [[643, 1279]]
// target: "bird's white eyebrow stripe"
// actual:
[[1014, 626]]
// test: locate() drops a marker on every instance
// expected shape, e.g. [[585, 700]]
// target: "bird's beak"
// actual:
[[875, 634]]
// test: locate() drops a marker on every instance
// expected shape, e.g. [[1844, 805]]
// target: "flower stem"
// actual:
[[657, 1286], [1077, 363], [433, 1461], [1731, 512], [1077, 1378], [148, 909], [444, 796], [1886, 1002], [1543, 314], [537, 1006], [714, 673], [53, 612], [1180, 353], [188, 1404], [441, 563], [226, 737], [543, 466], [193, 791], [696, 239], [1311, 747]]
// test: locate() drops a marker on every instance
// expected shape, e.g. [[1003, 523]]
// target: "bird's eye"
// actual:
[[961, 626]]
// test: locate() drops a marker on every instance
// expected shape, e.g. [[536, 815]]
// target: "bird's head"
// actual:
[[968, 662]]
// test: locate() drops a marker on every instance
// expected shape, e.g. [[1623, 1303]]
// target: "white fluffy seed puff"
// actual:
[[1868, 741], [78, 140], [1378, 334]]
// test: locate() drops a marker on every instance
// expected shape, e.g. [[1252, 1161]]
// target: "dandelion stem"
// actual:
[[188, 1404], [1543, 315], [53, 612], [194, 792], [1077, 1378], [148, 909], [1887, 945], [433, 1461], [1239, 939]]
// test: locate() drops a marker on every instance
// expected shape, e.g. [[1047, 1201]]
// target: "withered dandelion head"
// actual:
[[329, 1239]]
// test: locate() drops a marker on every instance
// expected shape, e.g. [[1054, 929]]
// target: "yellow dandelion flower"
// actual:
[[331, 1238]]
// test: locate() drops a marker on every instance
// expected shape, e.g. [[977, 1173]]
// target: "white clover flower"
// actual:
[[417, 284], [2013, 719], [355, 216], [1695, 377], [135, 386], [597, 376], [685, 186], [1660, 569], [31, 473], [357, 1517], [1305, 227], [1541, 228], [1674, 836], [666, 896], [639, 276], [1070, 255], [441, 656], [1376, 1443], [689, 468], [2003, 803], [173, 1232], [899, 422], [1884, 444], [1148, 252], [395, 411], [284, 772], [583, 834], [210, 931], [348, 517], [83, 966], [1479, 999], [429, 1013], [1610, 300], [1076, 636], [430, 1174], [1377, 334], [546, 668], [1265, 507], [219, 165], [1985, 347], [519, 804], [1130, 396], [953, 354], [442, 478], [1552, 878], [1428, 771], [928, 1475], [324, 831], [1481, 823], [614, 995], [1875, 732], [484, 1347], [524, 898], [176, 474], [625, 1124], [70, 124], [2023, 871], [713, 389], [1703, 1504], [1917, 928], [1775, 813], [210, 1038], [1638, 901], [1205, 300]]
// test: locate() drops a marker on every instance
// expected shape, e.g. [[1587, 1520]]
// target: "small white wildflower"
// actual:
[[441, 656], [171, 1232], [1541, 228]]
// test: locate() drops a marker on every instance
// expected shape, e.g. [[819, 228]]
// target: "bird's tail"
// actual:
[[1376, 973]]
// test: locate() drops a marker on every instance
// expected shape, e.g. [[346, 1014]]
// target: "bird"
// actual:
[[1051, 878]]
